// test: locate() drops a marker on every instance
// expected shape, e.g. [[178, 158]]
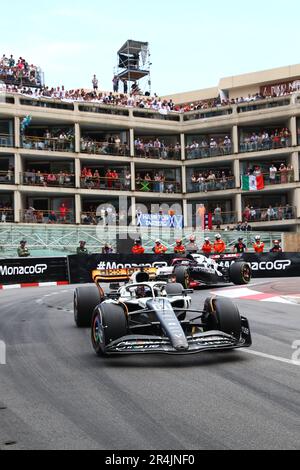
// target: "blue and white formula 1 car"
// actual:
[[144, 317]]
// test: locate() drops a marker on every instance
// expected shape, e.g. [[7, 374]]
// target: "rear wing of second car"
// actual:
[[122, 274]]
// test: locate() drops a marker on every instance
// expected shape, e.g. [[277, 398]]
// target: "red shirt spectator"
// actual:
[[109, 176], [63, 210]]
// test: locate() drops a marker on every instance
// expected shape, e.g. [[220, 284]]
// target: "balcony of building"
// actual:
[[103, 142], [260, 138], [259, 103], [105, 211], [208, 145], [269, 173], [99, 177], [202, 179], [269, 209], [159, 180], [159, 215], [48, 174], [48, 138], [206, 112], [7, 133], [212, 213], [157, 147], [49, 209], [6, 207], [7, 171]]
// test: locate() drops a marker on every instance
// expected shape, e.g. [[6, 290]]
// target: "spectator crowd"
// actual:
[[266, 140], [23, 78], [33, 177], [113, 146], [209, 147], [92, 179], [276, 174], [211, 180], [157, 149], [17, 73]]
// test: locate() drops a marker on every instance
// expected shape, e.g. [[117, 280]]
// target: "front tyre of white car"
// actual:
[[109, 323]]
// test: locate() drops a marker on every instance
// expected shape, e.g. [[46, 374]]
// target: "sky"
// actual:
[[193, 43]]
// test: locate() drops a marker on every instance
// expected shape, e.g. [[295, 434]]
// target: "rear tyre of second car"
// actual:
[[240, 273], [182, 276]]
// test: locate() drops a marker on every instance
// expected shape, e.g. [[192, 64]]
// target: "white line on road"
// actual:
[[274, 358]]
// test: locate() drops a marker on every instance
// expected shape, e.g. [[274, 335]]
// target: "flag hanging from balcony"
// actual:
[[253, 183]]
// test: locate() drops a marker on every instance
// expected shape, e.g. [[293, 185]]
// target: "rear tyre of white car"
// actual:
[[240, 273], [86, 300], [182, 276]]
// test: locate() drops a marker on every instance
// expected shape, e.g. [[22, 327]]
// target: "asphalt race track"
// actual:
[[56, 394]]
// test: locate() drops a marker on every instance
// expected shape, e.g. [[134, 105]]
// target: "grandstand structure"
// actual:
[[103, 137]]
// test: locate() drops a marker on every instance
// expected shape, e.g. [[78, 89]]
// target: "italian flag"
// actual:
[[253, 183]]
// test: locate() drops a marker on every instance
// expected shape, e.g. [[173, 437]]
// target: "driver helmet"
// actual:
[[241, 239], [178, 241], [142, 291], [257, 238], [207, 239], [192, 238], [137, 241], [276, 242], [157, 241], [218, 236]]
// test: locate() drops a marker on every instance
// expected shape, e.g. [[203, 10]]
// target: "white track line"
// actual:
[[268, 356]]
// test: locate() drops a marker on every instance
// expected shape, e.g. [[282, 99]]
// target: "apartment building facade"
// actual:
[[106, 139]]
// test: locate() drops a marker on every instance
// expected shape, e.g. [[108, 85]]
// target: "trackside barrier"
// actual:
[[77, 269], [267, 265], [33, 270]]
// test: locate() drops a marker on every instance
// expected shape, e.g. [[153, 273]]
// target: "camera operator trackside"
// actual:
[[145, 317], [196, 270]]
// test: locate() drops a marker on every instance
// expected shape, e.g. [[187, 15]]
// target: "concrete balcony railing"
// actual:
[[7, 177], [204, 185], [32, 216], [92, 147], [159, 187], [270, 214], [205, 151], [105, 183], [263, 146], [49, 180], [169, 152], [53, 144], [6, 140], [7, 215]]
